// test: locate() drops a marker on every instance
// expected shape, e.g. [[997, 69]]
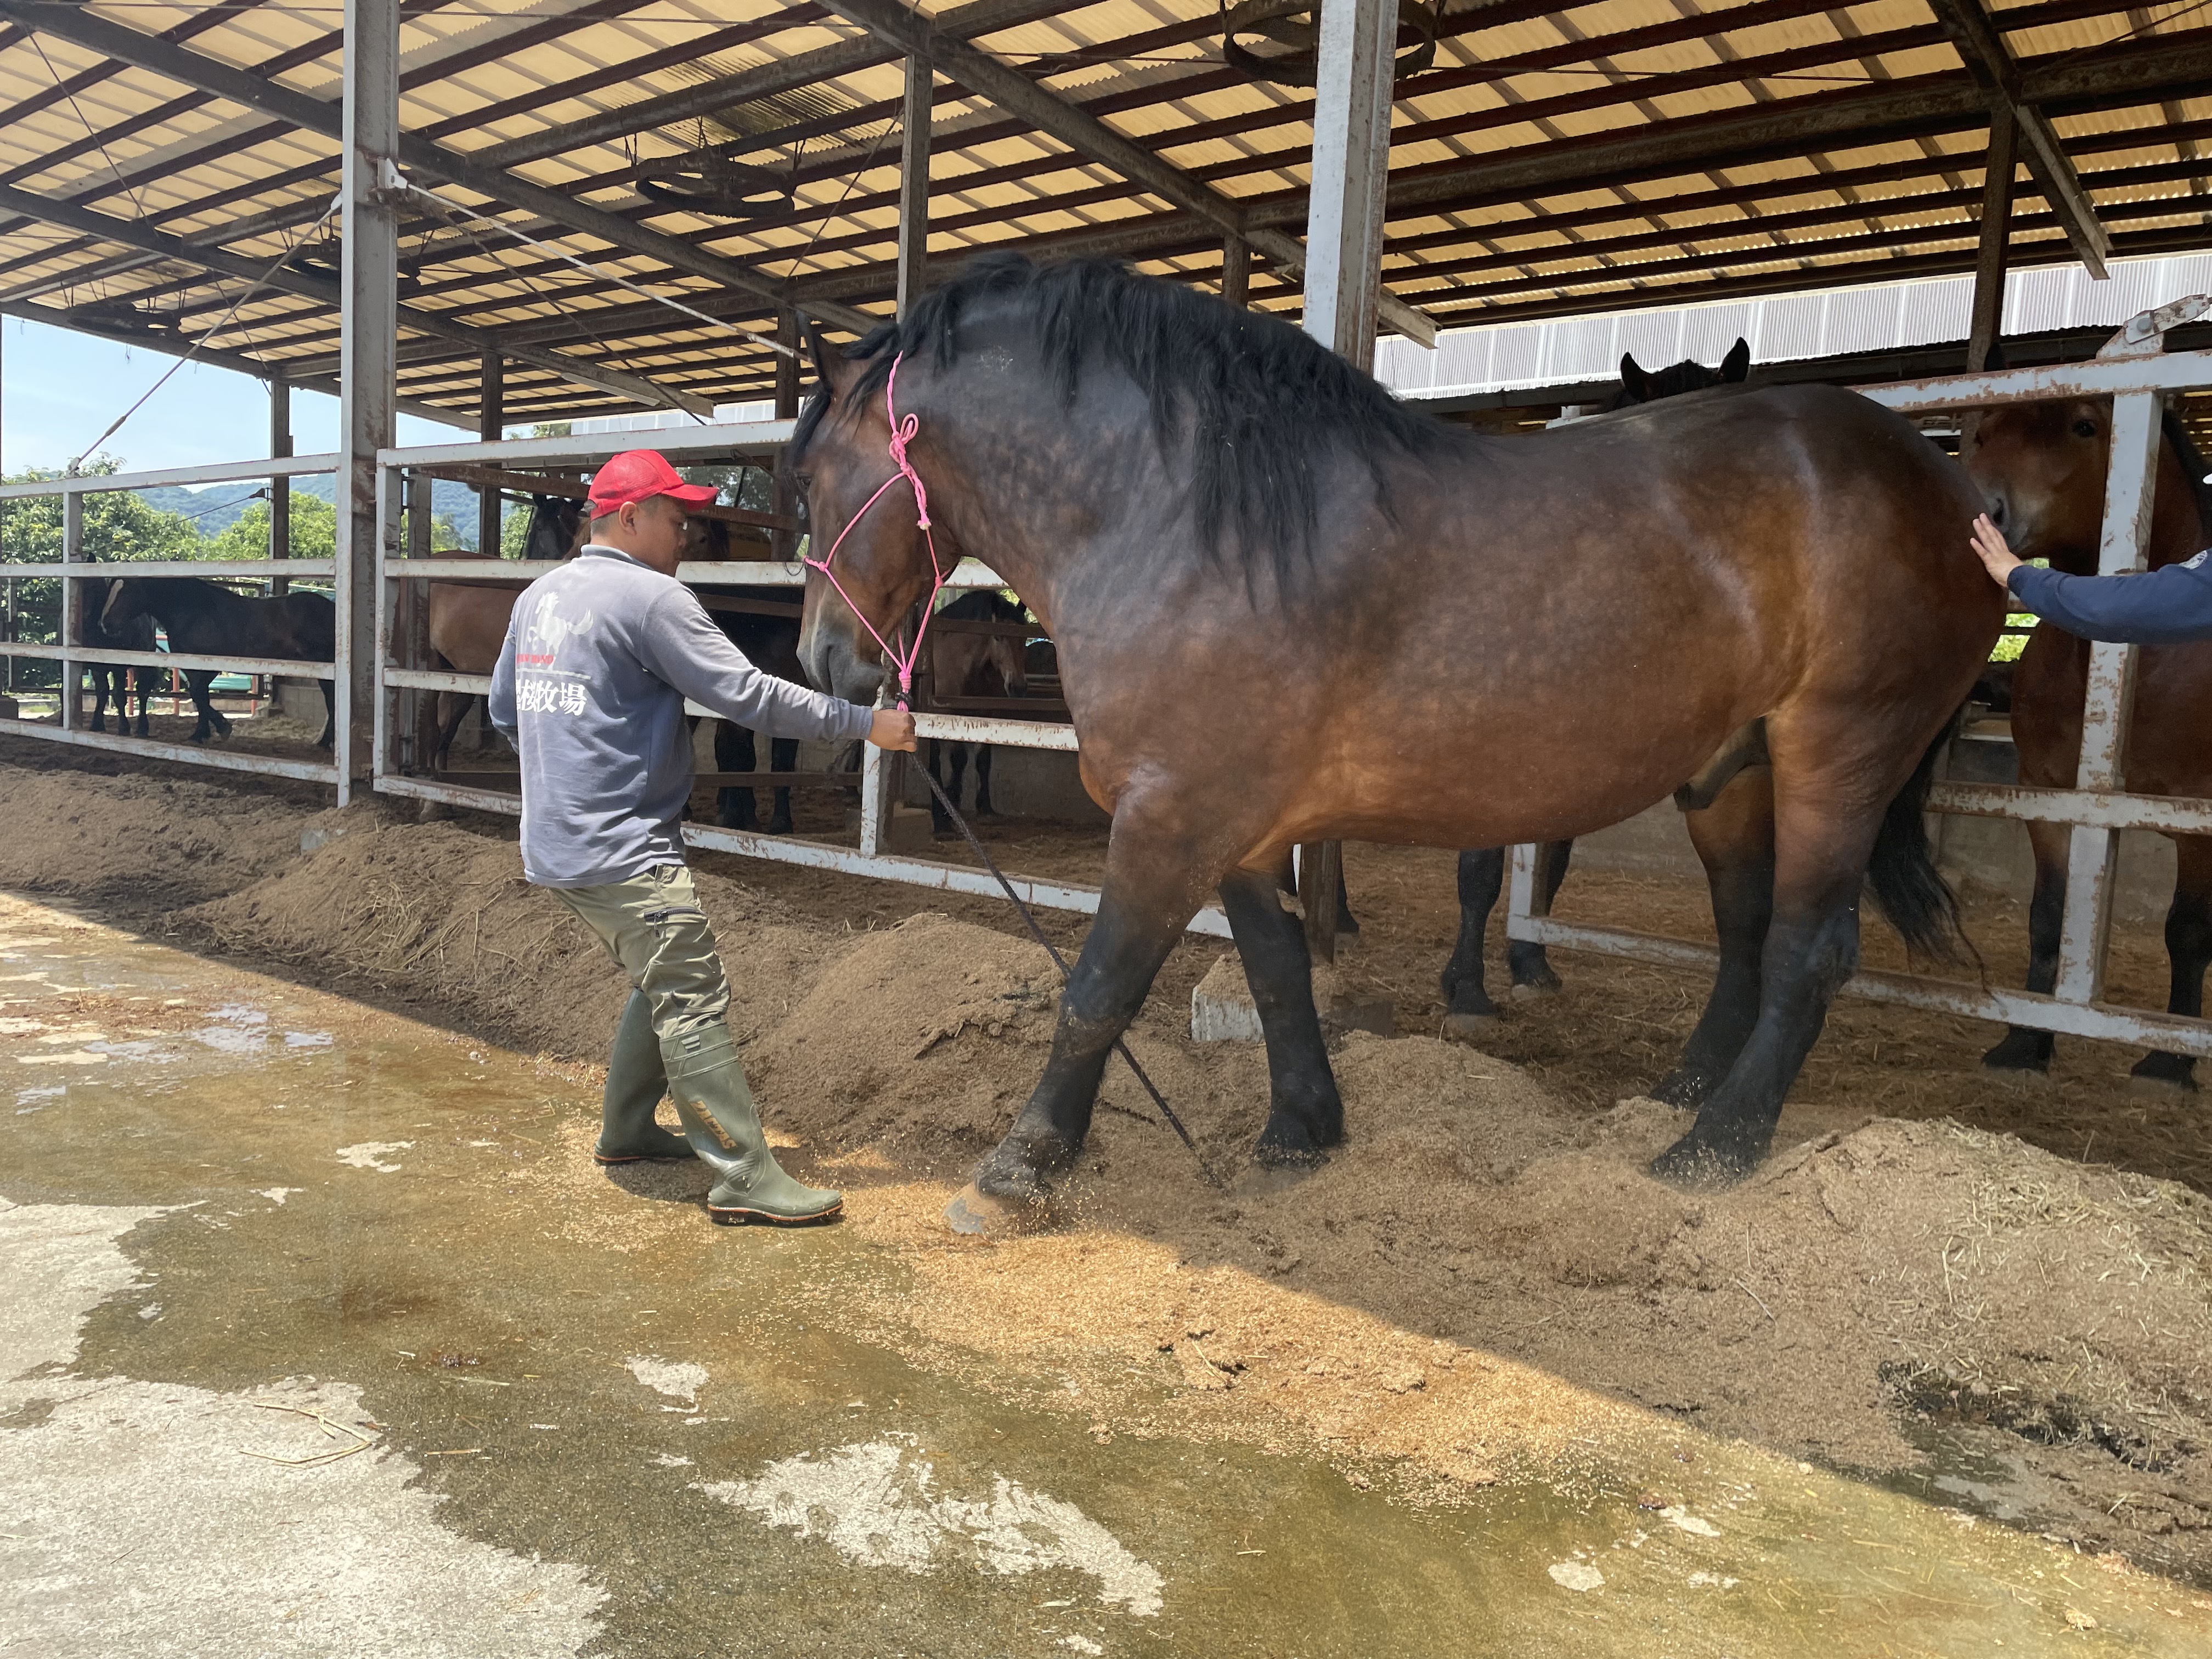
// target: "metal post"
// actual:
[[786, 368], [418, 715], [8, 621], [368, 354], [1998, 166], [491, 422], [1351, 158], [914, 184], [2128, 491], [72, 604], [386, 727], [280, 490], [1357, 51], [1237, 271]]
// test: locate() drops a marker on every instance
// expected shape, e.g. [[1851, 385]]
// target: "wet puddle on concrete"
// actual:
[[302, 1353]]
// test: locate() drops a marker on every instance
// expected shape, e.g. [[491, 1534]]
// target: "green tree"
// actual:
[[314, 532], [119, 527]]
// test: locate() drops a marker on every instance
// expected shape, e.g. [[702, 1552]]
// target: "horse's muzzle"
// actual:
[[833, 666]]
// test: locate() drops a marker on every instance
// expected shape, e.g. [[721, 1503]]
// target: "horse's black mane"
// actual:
[[1256, 404], [2192, 463]]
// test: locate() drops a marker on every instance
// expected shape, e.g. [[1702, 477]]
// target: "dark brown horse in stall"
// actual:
[[1290, 609], [1469, 1010], [2043, 465], [963, 664]]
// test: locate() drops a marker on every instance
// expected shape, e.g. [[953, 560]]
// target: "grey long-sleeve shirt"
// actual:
[[589, 687]]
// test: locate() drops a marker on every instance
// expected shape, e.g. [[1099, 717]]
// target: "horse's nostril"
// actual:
[[1997, 514]]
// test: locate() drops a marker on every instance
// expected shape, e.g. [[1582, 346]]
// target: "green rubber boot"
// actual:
[[716, 1107], [636, 1083]]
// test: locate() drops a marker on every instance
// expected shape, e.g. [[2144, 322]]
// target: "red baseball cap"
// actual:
[[638, 475]]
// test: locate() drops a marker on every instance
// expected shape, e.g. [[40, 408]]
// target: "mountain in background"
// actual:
[[213, 508]]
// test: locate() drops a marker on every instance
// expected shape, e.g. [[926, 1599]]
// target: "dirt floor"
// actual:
[[1993, 1295]]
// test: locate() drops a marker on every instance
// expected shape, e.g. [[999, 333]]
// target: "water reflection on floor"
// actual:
[[330, 1269]]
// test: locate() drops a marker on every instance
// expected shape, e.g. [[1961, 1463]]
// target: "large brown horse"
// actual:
[[1290, 609], [2043, 465]]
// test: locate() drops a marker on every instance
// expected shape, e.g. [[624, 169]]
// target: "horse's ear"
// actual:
[[1994, 358], [1633, 381], [1737, 364], [834, 369]]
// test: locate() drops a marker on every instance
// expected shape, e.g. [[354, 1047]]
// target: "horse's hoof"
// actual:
[[1017, 1171], [1698, 1165], [2163, 1074], [779, 827], [1266, 1178], [975, 1213], [1535, 991], [1686, 1090], [2022, 1053], [1471, 1028], [1289, 1142]]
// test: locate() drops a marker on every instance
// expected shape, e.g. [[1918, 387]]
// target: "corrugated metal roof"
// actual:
[[1627, 154]]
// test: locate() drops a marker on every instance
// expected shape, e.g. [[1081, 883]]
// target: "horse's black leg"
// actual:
[[959, 773], [1831, 786], [983, 807], [734, 807], [2189, 949], [146, 683], [100, 686], [1530, 968], [1154, 884], [941, 825], [210, 719], [330, 713], [2023, 1049], [782, 757], [1305, 1115], [1735, 839], [448, 729], [1469, 1011]]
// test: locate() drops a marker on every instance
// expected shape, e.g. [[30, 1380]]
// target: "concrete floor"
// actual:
[[315, 1341]]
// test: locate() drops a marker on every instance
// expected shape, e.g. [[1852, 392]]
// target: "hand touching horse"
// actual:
[[1289, 609]]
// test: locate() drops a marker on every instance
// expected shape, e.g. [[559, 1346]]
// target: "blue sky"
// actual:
[[58, 389]]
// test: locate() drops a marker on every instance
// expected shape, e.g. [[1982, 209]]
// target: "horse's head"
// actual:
[[126, 603], [2042, 468], [1641, 386], [840, 462], [556, 529]]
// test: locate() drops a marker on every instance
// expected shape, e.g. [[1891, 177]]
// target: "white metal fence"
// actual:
[[75, 656], [404, 545]]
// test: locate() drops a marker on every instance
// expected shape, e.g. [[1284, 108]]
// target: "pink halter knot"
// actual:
[[901, 434]]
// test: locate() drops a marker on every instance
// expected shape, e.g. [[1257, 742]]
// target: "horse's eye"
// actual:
[[2085, 429]]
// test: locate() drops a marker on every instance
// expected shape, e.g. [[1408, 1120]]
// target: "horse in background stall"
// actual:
[[203, 618], [467, 621], [2043, 466], [769, 640], [1469, 1010], [965, 665], [114, 679]]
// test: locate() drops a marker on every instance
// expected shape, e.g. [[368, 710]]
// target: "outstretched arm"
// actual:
[[680, 644], [2169, 606]]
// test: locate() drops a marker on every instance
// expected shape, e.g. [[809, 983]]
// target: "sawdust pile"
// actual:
[[136, 837], [439, 914], [1483, 1275]]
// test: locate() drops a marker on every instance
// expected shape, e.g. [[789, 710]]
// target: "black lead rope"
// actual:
[[1059, 961]]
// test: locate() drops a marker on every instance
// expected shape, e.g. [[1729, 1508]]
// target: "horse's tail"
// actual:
[[1903, 877]]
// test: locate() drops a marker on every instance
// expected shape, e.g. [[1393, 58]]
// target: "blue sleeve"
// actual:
[[2170, 606], [500, 703]]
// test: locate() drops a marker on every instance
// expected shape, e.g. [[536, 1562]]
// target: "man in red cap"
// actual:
[[590, 688]]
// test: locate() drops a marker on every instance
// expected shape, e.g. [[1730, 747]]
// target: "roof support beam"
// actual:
[[1990, 61], [193, 68], [1085, 134], [227, 263], [803, 69]]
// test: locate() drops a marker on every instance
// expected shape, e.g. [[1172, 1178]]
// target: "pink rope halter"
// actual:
[[901, 434]]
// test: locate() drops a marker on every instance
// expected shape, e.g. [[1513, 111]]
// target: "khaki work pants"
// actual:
[[652, 926]]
